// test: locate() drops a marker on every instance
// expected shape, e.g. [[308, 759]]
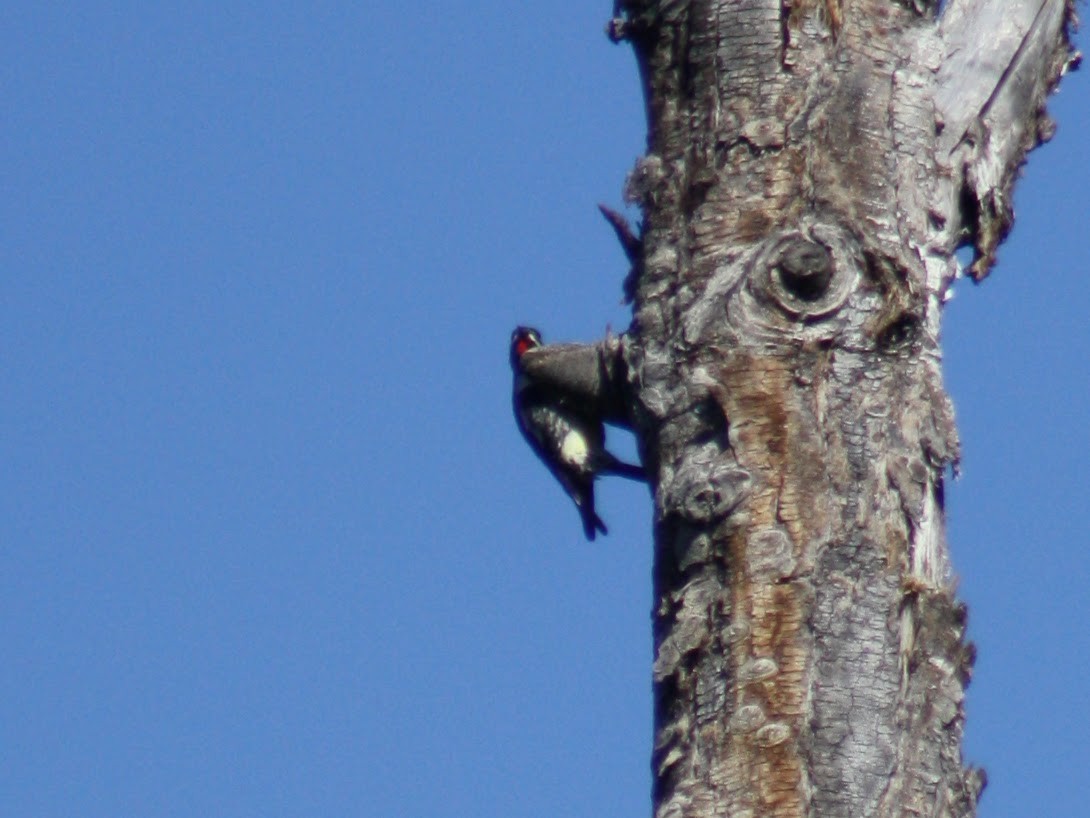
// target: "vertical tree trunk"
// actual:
[[812, 166]]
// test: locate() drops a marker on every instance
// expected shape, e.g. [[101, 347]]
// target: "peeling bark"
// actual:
[[812, 166]]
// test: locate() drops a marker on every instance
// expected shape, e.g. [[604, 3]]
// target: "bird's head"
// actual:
[[523, 339]]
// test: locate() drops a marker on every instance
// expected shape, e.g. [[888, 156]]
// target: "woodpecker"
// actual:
[[568, 438]]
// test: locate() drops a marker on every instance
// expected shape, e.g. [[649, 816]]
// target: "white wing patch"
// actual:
[[574, 449]]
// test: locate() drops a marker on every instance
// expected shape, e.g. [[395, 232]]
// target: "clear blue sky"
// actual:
[[271, 543]]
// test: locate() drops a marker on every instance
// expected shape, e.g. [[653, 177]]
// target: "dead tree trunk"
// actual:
[[812, 166]]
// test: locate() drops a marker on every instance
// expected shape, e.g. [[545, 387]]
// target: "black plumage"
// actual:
[[565, 434]]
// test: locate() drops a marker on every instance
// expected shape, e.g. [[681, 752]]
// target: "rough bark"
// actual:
[[812, 166]]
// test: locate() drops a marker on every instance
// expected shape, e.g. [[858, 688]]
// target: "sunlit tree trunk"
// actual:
[[812, 166]]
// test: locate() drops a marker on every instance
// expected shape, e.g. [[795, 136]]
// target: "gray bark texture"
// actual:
[[812, 166]]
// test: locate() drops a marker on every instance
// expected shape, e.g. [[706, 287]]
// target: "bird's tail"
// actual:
[[592, 523], [584, 501]]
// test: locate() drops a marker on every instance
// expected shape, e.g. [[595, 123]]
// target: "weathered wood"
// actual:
[[812, 166], [1001, 59]]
